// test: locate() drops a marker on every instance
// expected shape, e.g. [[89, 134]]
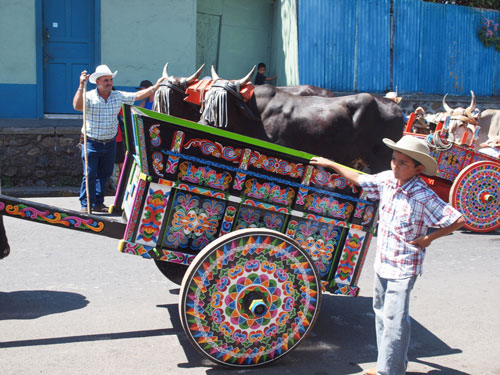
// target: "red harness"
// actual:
[[196, 91]]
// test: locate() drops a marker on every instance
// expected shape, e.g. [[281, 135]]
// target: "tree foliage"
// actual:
[[485, 4]]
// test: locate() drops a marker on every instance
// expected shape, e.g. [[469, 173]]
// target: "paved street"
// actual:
[[70, 303]]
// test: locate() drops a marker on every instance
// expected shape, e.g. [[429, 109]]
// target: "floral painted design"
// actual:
[[195, 221]]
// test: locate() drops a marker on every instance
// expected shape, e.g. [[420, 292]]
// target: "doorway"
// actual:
[[68, 48]]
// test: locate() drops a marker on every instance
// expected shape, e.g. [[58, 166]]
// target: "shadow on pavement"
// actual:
[[342, 339], [33, 304], [341, 342]]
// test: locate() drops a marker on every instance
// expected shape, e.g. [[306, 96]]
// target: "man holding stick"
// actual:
[[101, 107]]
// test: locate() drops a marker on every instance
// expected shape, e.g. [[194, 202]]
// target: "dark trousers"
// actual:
[[101, 159]]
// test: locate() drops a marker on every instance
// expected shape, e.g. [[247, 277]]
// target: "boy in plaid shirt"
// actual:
[[408, 207]]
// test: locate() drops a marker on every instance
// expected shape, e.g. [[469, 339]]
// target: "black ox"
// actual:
[[4, 244], [347, 129], [170, 98]]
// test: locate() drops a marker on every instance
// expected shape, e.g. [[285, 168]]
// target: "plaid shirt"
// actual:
[[101, 115], [405, 213]]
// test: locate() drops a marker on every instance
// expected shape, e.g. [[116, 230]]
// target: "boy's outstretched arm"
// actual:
[[425, 241], [348, 173]]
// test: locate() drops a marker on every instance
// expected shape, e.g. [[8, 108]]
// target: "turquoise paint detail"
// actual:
[[17, 38], [18, 101]]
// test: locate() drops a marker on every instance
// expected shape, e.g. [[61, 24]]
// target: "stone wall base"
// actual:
[[47, 156]]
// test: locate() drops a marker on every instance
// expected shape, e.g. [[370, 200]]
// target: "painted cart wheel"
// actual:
[[249, 297], [476, 194]]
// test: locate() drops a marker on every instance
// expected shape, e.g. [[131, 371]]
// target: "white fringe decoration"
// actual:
[[215, 112], [162, 100]]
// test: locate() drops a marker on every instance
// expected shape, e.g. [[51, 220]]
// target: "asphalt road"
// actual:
[[70, 303]]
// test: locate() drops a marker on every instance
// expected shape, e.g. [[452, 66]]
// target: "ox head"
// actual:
[[223, 98], [462, 120], [169, 97]]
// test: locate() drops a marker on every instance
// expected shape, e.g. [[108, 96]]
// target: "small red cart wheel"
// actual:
[[476, 194], [249, 297]]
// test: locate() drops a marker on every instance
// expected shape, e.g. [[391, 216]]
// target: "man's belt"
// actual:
[[103, 141]]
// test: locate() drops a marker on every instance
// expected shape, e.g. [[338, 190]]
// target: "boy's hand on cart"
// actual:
[[321, 162]]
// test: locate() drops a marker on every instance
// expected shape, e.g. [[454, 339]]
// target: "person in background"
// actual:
[[102, 106], [393, 96], [260, 77], [408, 207], [149, 100]]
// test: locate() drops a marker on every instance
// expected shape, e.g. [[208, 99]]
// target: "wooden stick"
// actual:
[[85, 147]]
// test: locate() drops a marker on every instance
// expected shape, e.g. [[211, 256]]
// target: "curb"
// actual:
[[41, 191]]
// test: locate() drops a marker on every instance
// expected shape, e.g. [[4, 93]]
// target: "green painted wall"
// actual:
[[17, 39], [245, 34], [138, 39]]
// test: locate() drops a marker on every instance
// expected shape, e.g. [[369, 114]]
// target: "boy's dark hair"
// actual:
[[261, 65], [416, 162]]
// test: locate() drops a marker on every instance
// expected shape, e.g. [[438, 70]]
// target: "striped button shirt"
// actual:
[[101, 115], [405, 213]]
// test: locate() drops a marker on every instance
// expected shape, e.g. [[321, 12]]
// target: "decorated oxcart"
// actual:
[[468, 179], [253, 233]]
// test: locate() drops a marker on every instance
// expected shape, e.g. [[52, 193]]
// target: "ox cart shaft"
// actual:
[[251, 231]]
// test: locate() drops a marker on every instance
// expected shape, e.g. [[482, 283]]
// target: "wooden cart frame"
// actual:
[[253, 233]]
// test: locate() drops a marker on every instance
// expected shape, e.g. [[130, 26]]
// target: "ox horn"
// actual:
[[165, 71], [446, 106], [469, 109], [247, 77], [196, 74], [215, 76]]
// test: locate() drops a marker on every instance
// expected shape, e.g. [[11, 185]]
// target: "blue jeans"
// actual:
[[101, 160], [391, 304]]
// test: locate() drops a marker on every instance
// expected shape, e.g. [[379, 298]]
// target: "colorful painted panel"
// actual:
[[135, 209], [204, 176], [194, 222], [128, 200], [152, 214], [215, 149], [349, 257], [451, 162], [319, 239], [257, 217], [269, 192], [276, 165], [326, 205]]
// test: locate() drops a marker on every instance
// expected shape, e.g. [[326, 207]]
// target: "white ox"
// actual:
[[462, 120], [490, 126]]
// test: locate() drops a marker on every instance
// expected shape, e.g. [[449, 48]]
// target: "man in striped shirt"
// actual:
[[102, 106], [408, 207]]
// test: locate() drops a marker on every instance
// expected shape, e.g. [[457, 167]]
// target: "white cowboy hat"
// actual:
[[415, 149], [101, 70], [393, 96]]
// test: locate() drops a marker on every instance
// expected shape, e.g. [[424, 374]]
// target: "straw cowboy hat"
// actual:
[[393, 96], [415, 149], [101, 70]]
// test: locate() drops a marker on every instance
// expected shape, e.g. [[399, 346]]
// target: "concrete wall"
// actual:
[[17, 38], [245, 34], [138, 39]]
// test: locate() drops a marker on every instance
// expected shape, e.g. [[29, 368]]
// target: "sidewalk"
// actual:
[[41, 191]]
